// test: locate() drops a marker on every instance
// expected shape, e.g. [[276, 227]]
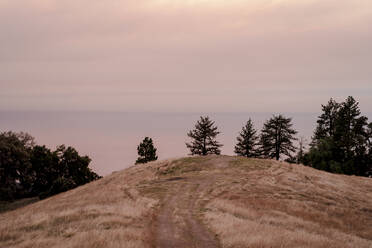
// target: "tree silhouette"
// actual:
[[277, 137], [146, 151], [203, 138], [247, 141], [29, 170], [45, 167], [15, 166], [326, 121], [341, 141]]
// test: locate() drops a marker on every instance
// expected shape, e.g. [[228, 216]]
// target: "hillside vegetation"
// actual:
[[212, 201]]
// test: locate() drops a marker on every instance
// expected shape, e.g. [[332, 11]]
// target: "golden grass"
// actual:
[[246, 202], [292, 206], [8, 206], [106, 213]]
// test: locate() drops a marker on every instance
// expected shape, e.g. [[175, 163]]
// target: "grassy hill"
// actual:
[[213, 201]]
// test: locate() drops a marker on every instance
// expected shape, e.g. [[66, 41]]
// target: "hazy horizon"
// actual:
[[110, 139]]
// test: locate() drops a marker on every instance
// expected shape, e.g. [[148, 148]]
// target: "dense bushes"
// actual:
[[29, 170]]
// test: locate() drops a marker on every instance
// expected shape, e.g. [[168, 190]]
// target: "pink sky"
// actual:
[[184, 55]]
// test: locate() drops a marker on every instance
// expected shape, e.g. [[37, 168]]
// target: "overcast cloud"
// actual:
[[184, 55]]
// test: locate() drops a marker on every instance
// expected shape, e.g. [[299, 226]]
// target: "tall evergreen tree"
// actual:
[[203, 136], [146, 151], [247, 141], [344, 148], [326, 121], [277, 137], [350, 128]]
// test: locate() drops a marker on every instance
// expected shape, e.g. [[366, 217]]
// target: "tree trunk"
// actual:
[[204, 147]]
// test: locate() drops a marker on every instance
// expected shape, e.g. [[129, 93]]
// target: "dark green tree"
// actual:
[[344, 148], [350, 129], [322, 156], [15, 166], [71, 170], [146, 151], [29, 170], [247, 141], [44, 168], [326, 121], [204, 138], [73, 166], [277, 138]]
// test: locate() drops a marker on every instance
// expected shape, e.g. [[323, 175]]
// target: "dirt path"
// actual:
[[178, 221]]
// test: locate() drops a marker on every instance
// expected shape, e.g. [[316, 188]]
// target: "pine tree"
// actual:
[[326, 121], [345, 147], [146, 151], [350, 128], [277, 137], [203, 136], [247, 141]]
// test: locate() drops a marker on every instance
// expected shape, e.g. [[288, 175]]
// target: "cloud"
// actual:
[[122, 51]]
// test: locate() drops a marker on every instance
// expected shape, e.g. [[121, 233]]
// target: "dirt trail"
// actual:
[[178, 221]]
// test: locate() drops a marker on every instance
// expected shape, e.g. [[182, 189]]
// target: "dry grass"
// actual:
[[246, 202], [292, 206], [106, 213], [8, 206]]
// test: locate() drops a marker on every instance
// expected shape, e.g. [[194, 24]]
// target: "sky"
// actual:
[[184, 55]]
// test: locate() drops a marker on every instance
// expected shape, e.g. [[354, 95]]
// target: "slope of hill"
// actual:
[[213, 201]]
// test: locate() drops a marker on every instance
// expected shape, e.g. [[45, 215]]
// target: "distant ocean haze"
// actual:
[[110, 139]]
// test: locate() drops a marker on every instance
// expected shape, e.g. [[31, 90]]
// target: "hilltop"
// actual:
[[212, 201]]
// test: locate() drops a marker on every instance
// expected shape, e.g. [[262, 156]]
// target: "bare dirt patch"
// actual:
[[178, 222]]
